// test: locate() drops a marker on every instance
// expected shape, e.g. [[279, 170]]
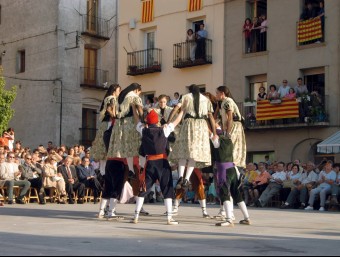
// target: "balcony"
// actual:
[[95, 27], [315, 114], [189, 54], [144, 62], [310, 33], [93, 78], [87, 136]]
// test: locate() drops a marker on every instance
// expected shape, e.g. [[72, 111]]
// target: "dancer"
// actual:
[[227, 161], [154, 146], [125, 141], [107, 109], [192, 147]]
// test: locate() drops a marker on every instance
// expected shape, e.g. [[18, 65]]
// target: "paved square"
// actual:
[[74, 230]]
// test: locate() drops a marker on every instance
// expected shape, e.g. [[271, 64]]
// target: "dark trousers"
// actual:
[[94, 184], [114, 179], [79, 187], [298, 195], [231, 187], [200, 49], [38, 184], [159, 170]]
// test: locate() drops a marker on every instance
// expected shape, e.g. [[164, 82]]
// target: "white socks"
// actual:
[[190, 168], [139, 205], [181, 167], [142, 161], [113, 204], [228, 206], [130, 163], [203, 204], [102, 166], [244, 210], [103, 204], [168, 207]]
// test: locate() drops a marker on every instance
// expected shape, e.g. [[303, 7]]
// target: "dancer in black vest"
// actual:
[[154, 146]]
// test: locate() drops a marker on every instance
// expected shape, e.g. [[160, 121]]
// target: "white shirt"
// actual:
[[283, 91], [279, 175], [167, 129], [308, 178]]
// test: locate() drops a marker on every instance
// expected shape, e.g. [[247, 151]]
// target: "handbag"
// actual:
[[288, 184]]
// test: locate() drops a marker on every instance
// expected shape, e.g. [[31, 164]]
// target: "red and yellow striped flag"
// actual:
[[309, 30], [288, 108], [194, 5], [147, 11]]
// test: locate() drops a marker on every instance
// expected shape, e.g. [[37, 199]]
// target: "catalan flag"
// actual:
[[147, 11], [309, 30], [194, 5], [288, 108]]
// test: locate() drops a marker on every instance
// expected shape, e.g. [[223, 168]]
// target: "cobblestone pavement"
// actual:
[[74, 230]]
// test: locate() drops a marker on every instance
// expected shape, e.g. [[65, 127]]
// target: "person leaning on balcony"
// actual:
[[284, 89], [301, 91], [263, 33], [308, 13], [273, 94], [327, 178], [291, 95], [247, 28], [191, 36], [201, 36], [262, 94]]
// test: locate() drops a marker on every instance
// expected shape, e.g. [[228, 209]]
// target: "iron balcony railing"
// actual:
[[144, 61], [87, 136], [95, 27], [192, 53], [91, 77], [313, 112]]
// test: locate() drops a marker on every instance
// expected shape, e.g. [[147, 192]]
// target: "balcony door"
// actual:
[[89, 122], [92, 15], [90, 64], [150, 38]]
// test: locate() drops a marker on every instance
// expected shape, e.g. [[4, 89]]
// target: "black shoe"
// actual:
[[258, 204], [132, 175], [10, 202], [95, 201], [179, 183], [81, 201], [284, 206], [20, 201], [70, 202]]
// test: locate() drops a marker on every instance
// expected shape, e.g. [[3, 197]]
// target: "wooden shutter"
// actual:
[[90, 63]]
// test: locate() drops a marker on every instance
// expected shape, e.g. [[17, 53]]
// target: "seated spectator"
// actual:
[[174, 101], [259, 184], [53, 179], [291, 95], [33, 174], [249, 177], [284, 89], [189, 195], [71, 179], [292, 180], [336, 185], [303, 186], [273, 94], [262, 94], [88, 177], [10, 174], [327, 178], [274, 187]]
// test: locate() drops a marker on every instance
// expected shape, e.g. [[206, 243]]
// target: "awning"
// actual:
[[330, 145]]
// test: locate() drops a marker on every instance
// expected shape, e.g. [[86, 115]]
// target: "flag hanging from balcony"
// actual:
[[147, 11], [288, 108], [194, 5], [309, 30]]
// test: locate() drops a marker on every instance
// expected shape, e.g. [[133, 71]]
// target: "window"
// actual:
[[255, 82], [148, 96], [90, 65], [89, 129], [92, 15], [257, 157], [196, 25], [21, 61], [150, 38], [255, 8], [314, 79]]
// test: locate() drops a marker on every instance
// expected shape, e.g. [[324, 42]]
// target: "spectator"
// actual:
[[291, 95], [33, 174], [292, 180], [9, 172], [327, 178], [71, 179], [262, 94], [4, 140], [336, 185], [247, 28], [189, 195], [201, 37], [263, 33], [255, 35], [284, 89], [321, 14], [249, 177], [88, 177], [267, 160], [274, 187], [148, 104], [191, 44], [53, 179], [260, 184], [50, 146], [301, 89], [11, 138], [273, 94], [174, 101], [308, 13]]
